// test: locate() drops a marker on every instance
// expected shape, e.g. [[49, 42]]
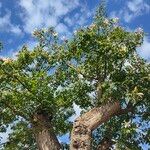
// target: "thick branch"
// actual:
[[84, 125], [22, 83]]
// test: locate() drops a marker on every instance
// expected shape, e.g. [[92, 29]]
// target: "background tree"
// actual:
[[30, 96], [98, 69], [114, 83]]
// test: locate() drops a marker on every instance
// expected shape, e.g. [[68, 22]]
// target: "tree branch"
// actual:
[[89, 121], [79, 72], [15, 112]]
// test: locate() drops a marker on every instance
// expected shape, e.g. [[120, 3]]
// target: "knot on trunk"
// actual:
[[80, 144], [81, 129]]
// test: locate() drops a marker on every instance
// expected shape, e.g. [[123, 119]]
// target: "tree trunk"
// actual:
[[85, 124], [44, 135]]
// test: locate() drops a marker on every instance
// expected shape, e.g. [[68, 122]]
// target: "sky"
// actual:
[[18, 19]]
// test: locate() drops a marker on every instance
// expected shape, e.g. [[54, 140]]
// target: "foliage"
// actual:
[[56, 74]]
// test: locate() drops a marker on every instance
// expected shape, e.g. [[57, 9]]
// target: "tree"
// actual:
[[30, 96], [98, 69]]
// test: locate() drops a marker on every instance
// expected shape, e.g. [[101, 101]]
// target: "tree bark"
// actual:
[[85, 124], [44, 135], [105, 144]]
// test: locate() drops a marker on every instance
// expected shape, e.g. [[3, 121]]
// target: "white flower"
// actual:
[[55, 34], [44, 29], [123, 48], [92, 26], [106, 21], [139, 30], [6, 60], [80, 76], [127, 124], [34, 31]]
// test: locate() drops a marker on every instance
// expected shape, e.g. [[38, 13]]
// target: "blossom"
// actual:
[[106, 22], [44, 29], [35, 31], [6, 60], [127, 124], [123, 48], [55, 34], [92, 26], [139, 30]]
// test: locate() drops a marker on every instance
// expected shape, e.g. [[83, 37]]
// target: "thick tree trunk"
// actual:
[[85, 124], [44, 135]]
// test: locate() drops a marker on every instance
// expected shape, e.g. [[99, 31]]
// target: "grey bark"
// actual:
[[85, 124], [44, 134]]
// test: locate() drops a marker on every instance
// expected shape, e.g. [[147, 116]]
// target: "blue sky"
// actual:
[[18, 18]]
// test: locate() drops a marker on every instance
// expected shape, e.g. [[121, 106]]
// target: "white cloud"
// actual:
[[80, 18], [68, 21], [144, 50], [31, 44], [131, 10], [39, 13], [137, 6], [61, 28], [15, 29], [7, 26]]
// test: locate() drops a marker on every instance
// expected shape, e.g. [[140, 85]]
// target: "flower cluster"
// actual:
[[92, 26], [123, 48], [106, 22], [37, 33], [55, 34], [6, 60], [139, 31]]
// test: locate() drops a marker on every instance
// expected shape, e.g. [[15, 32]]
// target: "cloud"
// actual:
[[39, 13], [61, 28], [131, 10], [57, 13], [144, 50], [137, 6], [80, 18], [7, 26]]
